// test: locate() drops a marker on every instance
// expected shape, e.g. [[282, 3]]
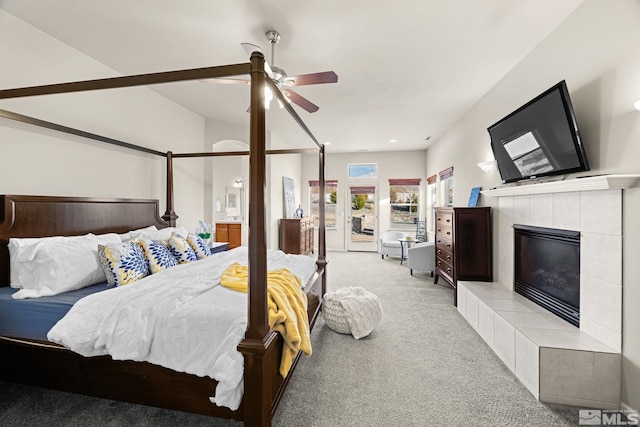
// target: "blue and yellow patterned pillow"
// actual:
[[181, 250], [199, 246], [123, 263], [158, 255]]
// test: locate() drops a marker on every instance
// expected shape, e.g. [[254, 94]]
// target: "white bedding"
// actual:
[[179, 318]]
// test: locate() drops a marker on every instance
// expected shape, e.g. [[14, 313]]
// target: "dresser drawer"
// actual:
[[445, 231], [445, 271], [444, 255], [444, 219], [444, 243]]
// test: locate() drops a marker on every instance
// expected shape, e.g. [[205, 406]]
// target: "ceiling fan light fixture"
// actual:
[[268, 96]]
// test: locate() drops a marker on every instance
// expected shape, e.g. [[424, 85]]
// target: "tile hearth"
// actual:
[[556, 361]]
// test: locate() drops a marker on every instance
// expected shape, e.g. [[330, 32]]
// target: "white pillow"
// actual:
[[54, 266], [164, 233], [16, 242], [133, 234]]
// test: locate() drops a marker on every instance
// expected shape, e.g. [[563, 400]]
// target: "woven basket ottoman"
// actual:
[[351, 310]]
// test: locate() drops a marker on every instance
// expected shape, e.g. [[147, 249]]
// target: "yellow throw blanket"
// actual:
[[287, 308]]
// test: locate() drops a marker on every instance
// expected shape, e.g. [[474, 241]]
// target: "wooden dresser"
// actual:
[[463, 245], [296, 235], [229, 232]]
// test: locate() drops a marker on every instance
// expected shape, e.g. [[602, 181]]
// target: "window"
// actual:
[[363, 170], [404, 200], [446, 185], [330, 200], [432, 202]]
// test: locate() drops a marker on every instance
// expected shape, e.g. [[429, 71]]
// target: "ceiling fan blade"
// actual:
[[301, 101], [250, 48], [314, 78]]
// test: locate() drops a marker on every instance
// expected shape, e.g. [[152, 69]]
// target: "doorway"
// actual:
[[362, 218]]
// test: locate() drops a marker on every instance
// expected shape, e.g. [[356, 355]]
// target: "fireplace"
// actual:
[[547, 269]]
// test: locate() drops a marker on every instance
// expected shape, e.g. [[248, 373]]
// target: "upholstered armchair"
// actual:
[[390, 243], [422, 257]]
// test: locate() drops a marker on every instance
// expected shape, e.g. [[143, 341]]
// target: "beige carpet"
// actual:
[[422, 366]]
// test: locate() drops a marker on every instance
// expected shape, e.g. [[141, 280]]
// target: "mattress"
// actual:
[[32, 318]]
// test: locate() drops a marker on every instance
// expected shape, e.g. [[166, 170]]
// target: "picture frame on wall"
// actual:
[[289, 197]]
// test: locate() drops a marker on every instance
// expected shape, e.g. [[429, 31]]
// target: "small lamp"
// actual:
[[486, 166]]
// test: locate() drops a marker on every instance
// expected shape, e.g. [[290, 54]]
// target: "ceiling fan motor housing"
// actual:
[[273, 36]]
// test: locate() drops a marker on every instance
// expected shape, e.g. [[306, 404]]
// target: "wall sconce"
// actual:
[[637, 105], [237, 183], [486, 166]]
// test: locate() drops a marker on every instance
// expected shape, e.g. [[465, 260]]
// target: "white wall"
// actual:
[[596, 51], [41, 162], [391, 165], [280, 165]]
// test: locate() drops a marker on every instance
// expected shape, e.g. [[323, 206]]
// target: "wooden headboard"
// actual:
[[45, 216]]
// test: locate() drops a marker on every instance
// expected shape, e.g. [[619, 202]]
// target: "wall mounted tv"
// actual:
[[541, 138]]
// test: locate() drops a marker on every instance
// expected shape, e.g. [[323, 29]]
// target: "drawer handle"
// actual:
[[448, 220], [448, 270], [448, 258]]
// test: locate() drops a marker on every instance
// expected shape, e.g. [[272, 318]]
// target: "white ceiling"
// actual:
[[407, 69]]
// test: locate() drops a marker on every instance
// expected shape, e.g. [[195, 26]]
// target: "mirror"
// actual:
[[233, 202]]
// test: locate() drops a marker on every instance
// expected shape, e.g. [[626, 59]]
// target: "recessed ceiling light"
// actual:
[[393, 141], [327, 143]]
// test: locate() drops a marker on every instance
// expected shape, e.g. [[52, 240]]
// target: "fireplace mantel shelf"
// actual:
[[591, 183]]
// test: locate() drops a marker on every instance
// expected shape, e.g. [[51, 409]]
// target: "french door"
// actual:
[[362, 218]]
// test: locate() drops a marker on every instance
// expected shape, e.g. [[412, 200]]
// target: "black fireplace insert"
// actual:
[[547, 269]]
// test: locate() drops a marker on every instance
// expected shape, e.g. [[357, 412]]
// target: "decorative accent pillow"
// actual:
[[158, 255], [181, 249], [199, 246], [56, 265], [123, 263]]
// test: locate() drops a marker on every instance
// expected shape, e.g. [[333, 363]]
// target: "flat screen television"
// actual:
[[541, 138]]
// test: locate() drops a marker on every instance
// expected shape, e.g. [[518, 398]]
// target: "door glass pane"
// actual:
[[363, 215]]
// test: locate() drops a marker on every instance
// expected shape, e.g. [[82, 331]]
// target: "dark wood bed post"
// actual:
[[322, 246], [170, 215], [259, 337]]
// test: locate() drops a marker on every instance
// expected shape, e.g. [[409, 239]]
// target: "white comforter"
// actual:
[[179, 318]]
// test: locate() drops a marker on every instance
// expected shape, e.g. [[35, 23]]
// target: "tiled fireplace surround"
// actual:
[[556, 361]]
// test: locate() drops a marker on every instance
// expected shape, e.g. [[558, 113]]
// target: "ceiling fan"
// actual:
[[284, 81]]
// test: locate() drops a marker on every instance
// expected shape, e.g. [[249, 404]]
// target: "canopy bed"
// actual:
[[42, 363]]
